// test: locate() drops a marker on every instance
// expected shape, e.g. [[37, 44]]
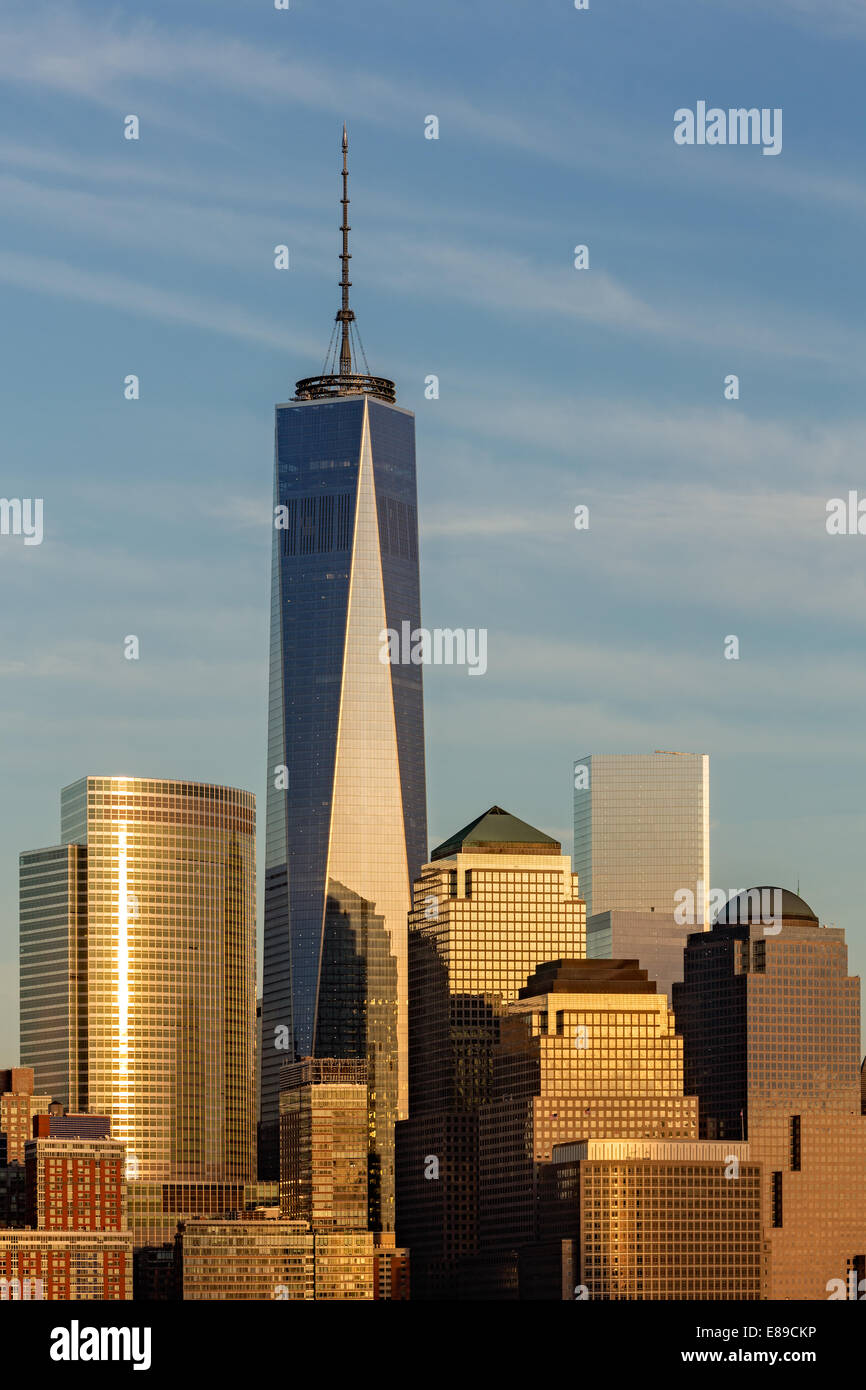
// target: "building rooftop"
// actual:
[[753, 902], [588, 977], [498, 832]]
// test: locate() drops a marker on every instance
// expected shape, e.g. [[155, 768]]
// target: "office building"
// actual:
[[67, 1266], [265, 1257], [642, 854], [588, 1051], [323, 1144], [18, 1105], [158, 942], [346, 817], [658, 1221], [770, 1020], [496, 900]]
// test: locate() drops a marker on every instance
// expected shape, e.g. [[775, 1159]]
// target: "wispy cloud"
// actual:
[[503, 281], [835, 18], [44, 275], [99, 60]]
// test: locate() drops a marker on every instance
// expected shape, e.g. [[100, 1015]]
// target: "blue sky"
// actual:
[[558, 387]]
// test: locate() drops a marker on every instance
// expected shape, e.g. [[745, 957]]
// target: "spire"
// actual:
[[344, 314], [348, 380]]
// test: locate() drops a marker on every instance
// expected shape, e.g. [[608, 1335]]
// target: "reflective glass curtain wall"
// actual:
[[346, 825]]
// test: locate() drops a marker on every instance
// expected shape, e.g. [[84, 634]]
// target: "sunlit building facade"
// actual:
[[66, 1266], [770, 1019], [642, 853], [18, 1106], [323, 1144], [162, 1016], [659, 1221], [76, 1184], [641, 829], [589, 1051], [265, 1257], [656, 939], [591, 1172], [496, 900], [346, 816]]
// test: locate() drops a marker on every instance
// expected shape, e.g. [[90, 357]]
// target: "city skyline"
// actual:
[[337, 1051], [165, 269]]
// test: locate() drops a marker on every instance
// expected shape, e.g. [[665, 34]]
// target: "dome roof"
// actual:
[[740, 908]]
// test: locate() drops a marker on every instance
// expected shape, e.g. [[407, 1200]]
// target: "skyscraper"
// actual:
[[323, 1144], [770, 1020], [158, 937], [588, 1051], [496, 900], [641, 828], [648, 1219], [642, 854], [346, 818]]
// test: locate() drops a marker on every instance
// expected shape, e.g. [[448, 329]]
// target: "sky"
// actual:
[[558, 387]]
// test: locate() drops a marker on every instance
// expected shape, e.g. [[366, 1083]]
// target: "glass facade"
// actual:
[[346, 827], [161, 1020], [591, 1052], [653, 938], [642, 830], [641, 841], [53, 968], [483, 919], [771, 1024], [324, 1144], [590, 1168], [664, 1221], [267, 1258]]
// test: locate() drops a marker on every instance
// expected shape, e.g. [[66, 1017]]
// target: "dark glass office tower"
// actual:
[[346, 821], [770, 1020]]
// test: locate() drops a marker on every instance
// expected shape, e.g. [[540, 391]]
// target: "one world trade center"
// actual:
[[346, 813]]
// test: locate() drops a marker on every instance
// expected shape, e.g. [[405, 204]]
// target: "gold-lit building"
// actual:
[[147, 910], [18, 1105], [591, 1172], [262, 1257], [391, 1275], [76, 1184], [660, 1221], [323, 1144], [589, 1051], [67, 1266], [496, 900], [771, 1024]]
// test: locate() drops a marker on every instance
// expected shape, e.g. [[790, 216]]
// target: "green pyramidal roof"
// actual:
[[497, 832]]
